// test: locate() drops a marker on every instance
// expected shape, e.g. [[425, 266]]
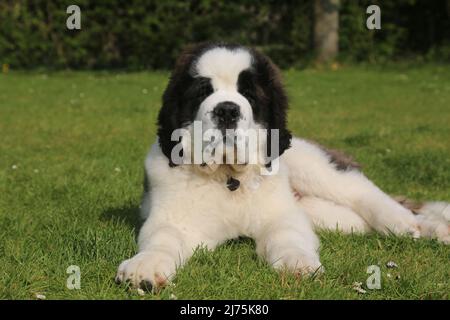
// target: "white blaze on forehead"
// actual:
[[223, 66]]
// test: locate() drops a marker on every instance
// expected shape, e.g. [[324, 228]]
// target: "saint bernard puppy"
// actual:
[[278, 199]]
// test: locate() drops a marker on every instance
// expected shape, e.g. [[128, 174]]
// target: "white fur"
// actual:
[[434, 220], [437, 210], [186, 209], [328, 215], [190, 206], [204, 113], [223, 67], [312, 174]]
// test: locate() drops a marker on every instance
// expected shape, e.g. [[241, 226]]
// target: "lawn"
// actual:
[[71, 168]]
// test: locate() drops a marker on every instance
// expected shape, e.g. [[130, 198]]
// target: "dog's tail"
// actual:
[[433, 217]]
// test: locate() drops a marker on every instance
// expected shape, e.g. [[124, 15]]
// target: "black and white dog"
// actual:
[[278, 200]]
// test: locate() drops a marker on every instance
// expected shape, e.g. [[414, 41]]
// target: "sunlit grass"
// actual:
[[72, 148]]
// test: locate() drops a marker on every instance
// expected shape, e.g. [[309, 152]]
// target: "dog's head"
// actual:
[[226, 88]]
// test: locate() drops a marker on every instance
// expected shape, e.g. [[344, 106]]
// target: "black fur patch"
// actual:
[[181, 99]]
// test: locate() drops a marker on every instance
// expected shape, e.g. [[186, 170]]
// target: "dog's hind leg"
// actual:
[[433, 217], [312, 172], [326, 215]]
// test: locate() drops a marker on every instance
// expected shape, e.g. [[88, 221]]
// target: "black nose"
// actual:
[[226, 114]]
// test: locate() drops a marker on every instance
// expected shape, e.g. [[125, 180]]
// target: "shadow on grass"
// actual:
[[127, 214], [239, 241]]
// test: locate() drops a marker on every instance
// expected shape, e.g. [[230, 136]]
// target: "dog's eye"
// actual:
[[203, 92]]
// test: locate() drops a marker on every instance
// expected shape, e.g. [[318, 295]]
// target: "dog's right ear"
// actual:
[[170, 116]]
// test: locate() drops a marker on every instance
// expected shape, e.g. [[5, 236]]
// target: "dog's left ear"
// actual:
[[277, 104]]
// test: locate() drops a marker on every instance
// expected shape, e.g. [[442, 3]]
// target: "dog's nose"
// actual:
[[227, 114]]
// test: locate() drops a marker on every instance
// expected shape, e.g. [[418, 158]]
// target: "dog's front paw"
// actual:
[[299, 263], [147, 270]]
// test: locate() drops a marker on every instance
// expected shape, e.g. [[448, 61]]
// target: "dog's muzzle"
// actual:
[[226, 115]]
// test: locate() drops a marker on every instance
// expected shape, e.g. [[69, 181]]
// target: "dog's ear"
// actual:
[[277, 104], [170, 118]]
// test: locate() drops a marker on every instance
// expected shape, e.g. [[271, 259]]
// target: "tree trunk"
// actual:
[[326, 27]]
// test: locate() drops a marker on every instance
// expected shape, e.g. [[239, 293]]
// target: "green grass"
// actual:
[[71, 156]]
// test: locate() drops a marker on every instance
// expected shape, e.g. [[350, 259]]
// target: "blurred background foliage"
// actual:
[[137, 34]]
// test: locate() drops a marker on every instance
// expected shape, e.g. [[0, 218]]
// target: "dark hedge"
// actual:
[[137, 34]]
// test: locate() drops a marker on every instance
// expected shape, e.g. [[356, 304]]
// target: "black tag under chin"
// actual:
[[233, 184]]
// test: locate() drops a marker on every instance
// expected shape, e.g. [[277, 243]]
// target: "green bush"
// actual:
[[408, 28], [137, 34]]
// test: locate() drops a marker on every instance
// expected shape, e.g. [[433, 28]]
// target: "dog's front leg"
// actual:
[[165, 244], [161, 251], [289, 243]]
